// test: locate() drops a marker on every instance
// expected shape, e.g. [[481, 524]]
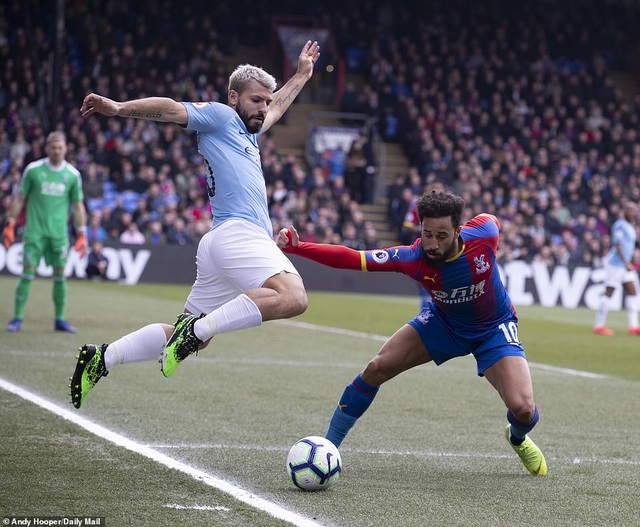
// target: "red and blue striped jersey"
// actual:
[[466, 289]]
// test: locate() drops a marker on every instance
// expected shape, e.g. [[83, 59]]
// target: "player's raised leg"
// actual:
[[243, 279], [282, 296], [95, 362]]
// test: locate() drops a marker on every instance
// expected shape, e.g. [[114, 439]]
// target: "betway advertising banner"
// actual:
[[528, 284], [128, 264]]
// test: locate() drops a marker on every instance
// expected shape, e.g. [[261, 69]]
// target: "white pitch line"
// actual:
[[329, 329], [239, 494], [382, 338], [569, 371], [319, 363], [335, 331], [197, 507], [393, 453]]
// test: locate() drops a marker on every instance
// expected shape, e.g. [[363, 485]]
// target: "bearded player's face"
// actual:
[[252, 105], [439, 239]]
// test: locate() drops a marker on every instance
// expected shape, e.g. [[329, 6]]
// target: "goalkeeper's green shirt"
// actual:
[[49, 192]]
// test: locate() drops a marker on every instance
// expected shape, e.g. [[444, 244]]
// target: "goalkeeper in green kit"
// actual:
[[49, 187]]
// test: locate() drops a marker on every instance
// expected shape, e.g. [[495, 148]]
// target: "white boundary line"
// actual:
[[317, 363], [402, 453], [197, 507], [239, 494], [382, 338], [348, 333]]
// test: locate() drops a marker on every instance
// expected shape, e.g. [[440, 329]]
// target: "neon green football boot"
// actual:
[[182, 343], [529, 453], [89, 370]]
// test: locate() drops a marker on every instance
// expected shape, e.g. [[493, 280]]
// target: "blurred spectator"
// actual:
[[309, 233], [350, 237], [333, 163], [132, 234], [394, 199], [141, 215], [92, 185], [177, 233], [359, 172], [370, 237], [95, 231], [411, 227], [155, 234], [128, 179], [97, 262]]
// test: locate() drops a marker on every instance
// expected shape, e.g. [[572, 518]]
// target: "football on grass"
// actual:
[[314, 463]]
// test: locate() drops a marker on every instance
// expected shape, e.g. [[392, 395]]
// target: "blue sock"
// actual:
[[339, 426], [355, 400], [519, 429]]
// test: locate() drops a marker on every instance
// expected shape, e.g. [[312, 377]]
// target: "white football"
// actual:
[[314, 463]]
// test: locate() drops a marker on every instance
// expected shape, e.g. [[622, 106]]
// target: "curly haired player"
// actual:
[[469, 312]]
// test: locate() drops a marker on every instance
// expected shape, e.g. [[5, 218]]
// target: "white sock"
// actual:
[[142, 345], [603, 310], [239, 313], [631, 303]]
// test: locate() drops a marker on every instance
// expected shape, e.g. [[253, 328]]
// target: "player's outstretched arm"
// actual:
[[161, 109], [337, 256], [283, 98]]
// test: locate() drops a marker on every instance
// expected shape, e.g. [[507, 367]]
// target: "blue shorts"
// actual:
[[488, 346]]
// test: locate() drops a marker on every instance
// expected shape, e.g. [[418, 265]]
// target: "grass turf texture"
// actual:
[[430, 451]]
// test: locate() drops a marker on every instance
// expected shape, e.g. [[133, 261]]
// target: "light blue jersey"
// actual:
[[235, 181], [624, 234]]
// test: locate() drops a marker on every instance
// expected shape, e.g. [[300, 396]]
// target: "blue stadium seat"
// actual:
[[95, 204], [108, 186], [130, 200]]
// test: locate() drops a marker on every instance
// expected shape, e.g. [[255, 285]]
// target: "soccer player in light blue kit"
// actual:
[[619, 269], [242, 276]]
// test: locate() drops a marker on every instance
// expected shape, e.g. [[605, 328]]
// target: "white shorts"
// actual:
[[616, 275], [231, 259]]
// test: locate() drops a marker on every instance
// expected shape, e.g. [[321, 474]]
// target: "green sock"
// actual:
[[59, 295], [22, 294]]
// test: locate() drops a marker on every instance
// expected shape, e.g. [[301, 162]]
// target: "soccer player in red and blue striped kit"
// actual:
[[470, 312]]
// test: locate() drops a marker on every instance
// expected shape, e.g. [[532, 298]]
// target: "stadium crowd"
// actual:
[[512, 107]]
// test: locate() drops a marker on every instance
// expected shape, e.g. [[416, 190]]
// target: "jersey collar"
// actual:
[[457, 254]]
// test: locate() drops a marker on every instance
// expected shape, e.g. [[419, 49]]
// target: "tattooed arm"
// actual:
[[160, 109], [283, 98]]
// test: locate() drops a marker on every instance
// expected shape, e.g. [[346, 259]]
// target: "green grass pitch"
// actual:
[[429, 452]]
